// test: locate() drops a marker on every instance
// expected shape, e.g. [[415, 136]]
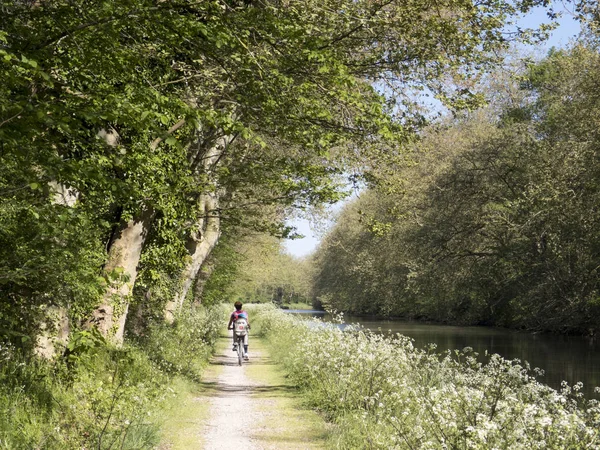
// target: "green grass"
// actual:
[[187, 411], [183, 416], [287, 422]]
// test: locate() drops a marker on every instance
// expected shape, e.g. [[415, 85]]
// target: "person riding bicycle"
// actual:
[[239, 313]]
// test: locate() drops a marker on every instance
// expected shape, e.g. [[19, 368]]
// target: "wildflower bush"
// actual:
[[97, 396], [384, 393]]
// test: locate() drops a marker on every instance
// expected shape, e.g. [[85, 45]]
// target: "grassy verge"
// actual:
[[187, 411], [286, 422], [182, 416], [101, 397]]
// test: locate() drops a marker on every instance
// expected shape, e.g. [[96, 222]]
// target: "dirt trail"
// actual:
[[252, 408], [233, 415]]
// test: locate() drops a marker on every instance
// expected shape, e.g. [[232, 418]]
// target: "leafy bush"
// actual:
[[183, 346], [99, 399], [384, 393], [97, 396]]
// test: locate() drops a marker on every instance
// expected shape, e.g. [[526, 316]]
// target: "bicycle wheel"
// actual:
[[240, 351]]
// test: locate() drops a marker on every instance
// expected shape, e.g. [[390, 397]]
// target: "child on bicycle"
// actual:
[[239, 313]]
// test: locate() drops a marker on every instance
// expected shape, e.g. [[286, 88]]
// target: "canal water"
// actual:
[[568, 358]]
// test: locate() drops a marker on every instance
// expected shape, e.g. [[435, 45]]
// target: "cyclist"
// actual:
[[239, 313]]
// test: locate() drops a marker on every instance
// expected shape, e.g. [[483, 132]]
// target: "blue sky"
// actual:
[[567, 29]]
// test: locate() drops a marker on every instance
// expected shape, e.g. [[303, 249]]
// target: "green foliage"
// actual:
[[256, 269], [49, 255], [102, 399], [221, 272], [84, 344], [161, 262], [382, 393], [69, 75], [97, 396], [120, 103], [495, 221], [184, 346]]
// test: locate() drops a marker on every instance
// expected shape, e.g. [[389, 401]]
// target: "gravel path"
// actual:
[[253, 407], [234, 412]]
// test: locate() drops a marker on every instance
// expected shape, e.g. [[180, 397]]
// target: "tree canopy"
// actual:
[[134, 132]]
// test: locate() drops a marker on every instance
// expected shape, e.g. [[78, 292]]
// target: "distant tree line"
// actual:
[[495, 217], [257, 269]]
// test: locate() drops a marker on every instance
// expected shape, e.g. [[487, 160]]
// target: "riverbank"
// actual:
[[382, 392], [249, 407], [572, 359]]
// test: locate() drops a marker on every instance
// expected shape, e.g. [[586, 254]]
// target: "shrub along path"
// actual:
[[250, 407]]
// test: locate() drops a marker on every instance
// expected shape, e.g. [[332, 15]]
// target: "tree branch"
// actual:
[[10, 118], [169, 131]]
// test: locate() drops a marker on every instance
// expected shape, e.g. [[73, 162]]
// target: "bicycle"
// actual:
[[240, 332]]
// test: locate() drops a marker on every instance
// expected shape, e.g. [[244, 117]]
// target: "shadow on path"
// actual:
[[270, 419]]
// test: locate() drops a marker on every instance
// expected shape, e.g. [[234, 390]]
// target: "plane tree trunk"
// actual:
[[54, 326], [199, 246], [121, 271]]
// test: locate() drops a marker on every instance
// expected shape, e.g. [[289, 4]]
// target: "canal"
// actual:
[[568, 358]]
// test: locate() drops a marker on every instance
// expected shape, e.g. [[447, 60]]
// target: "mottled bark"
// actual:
[[54, 331], [62, 195], [124, 254], [121, 269], [54, 325], [199, 247]]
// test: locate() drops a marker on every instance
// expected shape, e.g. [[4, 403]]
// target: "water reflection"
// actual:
[[569, 358]]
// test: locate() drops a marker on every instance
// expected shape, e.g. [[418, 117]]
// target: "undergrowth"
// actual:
[[95, 396]]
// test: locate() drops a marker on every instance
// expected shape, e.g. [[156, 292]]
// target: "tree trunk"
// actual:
[[199, 248], [204, 274], [54, 326], [121, 270], [54, 329], [201, 243]]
